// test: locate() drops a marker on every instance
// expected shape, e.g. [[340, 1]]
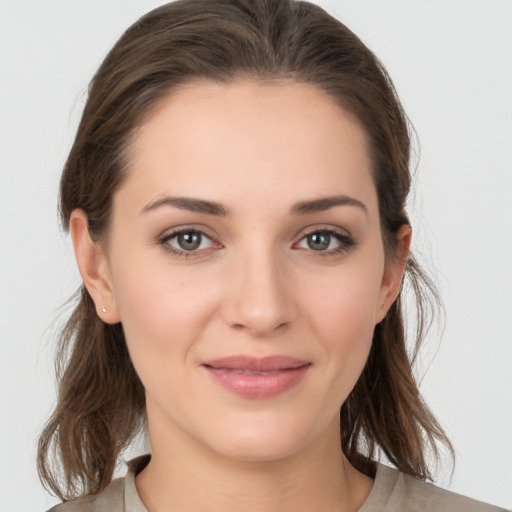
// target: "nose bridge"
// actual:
[[259, 298]]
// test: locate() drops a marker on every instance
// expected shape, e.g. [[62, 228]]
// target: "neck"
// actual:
[[188, 477]]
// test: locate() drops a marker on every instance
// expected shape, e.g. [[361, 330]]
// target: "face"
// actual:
[[245, 262]]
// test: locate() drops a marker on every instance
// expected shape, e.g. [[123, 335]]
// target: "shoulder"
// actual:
[[119, 496], [109, 500], [406, 493]]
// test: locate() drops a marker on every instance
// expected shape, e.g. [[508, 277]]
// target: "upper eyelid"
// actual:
[[206, 231], [170, 232], [327, 228], [340, 236], [165, 240]]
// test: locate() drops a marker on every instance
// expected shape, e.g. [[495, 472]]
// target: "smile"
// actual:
[[257, 378]]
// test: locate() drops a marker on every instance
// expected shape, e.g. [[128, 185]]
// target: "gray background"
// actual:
[[452, 64]]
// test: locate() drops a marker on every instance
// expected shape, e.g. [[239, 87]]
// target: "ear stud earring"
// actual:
[[103, 309]]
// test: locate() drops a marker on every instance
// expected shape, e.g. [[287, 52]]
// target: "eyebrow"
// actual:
[[213, 208], [190, 204], [325, 203]]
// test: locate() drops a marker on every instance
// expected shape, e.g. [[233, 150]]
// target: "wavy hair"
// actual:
[[101, 403]]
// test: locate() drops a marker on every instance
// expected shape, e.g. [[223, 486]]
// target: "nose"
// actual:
[[260, 298]]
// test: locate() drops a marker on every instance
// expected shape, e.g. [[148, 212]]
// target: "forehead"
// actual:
[[216, 139]]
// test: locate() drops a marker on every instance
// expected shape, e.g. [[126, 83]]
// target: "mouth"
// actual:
[[257, 378]]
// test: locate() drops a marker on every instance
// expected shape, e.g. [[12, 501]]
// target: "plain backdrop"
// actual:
[[451, 61]]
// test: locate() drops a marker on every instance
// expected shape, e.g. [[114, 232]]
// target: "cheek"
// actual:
[[343, 314], [346, 323], [162, 311], [348, 299]]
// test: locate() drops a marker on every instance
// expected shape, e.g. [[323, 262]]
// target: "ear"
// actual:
[[93, 266], [394, 272]]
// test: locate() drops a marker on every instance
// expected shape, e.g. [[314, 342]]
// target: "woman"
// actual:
[[235, 196]]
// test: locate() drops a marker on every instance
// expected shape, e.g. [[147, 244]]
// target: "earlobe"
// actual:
[[93, 266], [394, 272]]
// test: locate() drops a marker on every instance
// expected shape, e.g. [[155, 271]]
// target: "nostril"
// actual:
[[260, 330], [258, 304]]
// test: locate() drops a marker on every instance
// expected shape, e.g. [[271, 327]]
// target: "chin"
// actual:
[[259, 449], [264, 440]]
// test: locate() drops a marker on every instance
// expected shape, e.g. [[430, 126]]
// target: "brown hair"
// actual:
[[101, 404]]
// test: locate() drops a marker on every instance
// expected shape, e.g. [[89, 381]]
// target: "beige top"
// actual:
[[392, 492]]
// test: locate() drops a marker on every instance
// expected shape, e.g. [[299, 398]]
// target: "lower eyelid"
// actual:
[[345, 241], [175, 251]]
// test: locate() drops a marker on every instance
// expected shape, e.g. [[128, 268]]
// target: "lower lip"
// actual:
[[258, 385]]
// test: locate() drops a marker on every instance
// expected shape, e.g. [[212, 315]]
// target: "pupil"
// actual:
[[189, 241], [318, 241]]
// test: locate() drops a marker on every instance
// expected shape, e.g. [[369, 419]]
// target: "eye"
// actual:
[[326, 241], [186, 241]]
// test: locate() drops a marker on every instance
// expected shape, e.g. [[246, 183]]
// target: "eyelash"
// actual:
[[164, 241], [346, 242]]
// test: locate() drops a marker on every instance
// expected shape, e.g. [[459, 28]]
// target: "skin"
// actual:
[[254, 286]]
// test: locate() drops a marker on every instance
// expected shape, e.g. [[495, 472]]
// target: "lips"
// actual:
[[252, 377]]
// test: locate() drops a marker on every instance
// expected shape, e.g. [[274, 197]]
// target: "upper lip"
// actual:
[[262, 364]]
